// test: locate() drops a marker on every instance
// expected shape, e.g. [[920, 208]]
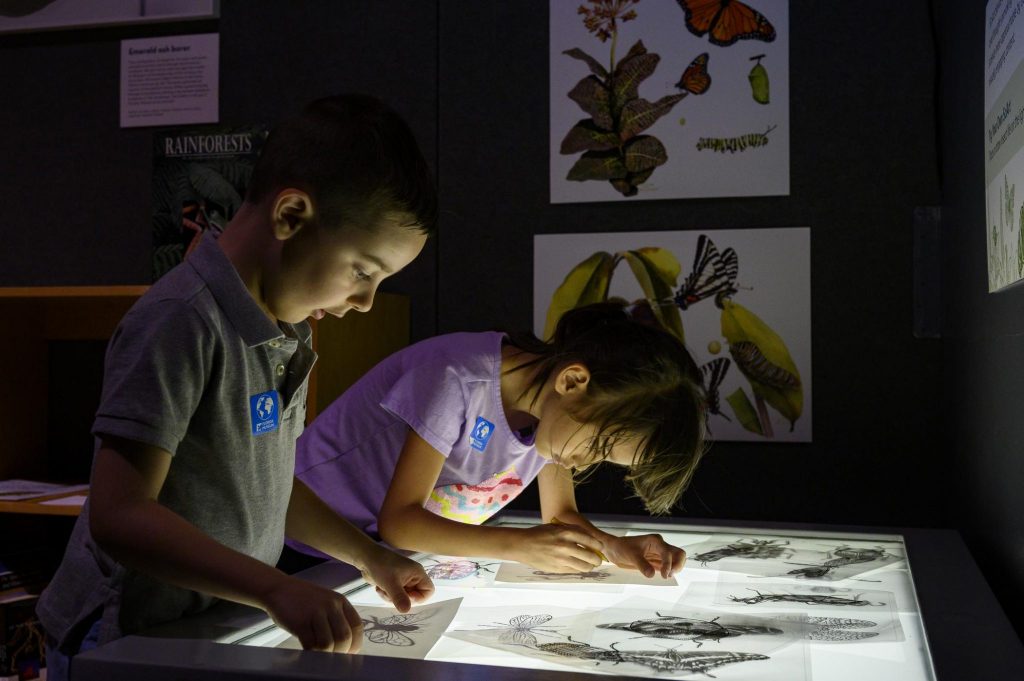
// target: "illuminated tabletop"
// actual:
[[790, 602]]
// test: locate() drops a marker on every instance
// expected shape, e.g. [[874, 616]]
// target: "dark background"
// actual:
[[886, 116]]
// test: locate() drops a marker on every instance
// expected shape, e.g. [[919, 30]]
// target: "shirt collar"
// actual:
[[213, 266]]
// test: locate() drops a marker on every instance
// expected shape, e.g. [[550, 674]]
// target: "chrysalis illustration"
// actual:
[[758, 77]]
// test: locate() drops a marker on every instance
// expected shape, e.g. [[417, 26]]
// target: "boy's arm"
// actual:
[[648, 553], [405, 523], [314, 523], [128, 522]]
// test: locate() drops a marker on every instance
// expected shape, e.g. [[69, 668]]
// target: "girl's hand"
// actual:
[[397, 578], [320, 618], [648, 553], [559, 548]]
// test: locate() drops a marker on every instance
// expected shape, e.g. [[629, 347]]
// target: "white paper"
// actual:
[[19, 490], [390, 633], [171, 80]]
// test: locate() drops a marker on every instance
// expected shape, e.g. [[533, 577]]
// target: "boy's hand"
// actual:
[[559, 548], [398, 579], [648, 553], [320, 618]]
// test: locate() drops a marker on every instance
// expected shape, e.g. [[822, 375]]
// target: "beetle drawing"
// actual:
[[687, 629], [742, 548]]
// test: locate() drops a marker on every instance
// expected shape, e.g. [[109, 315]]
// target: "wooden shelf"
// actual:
[[47, 316]]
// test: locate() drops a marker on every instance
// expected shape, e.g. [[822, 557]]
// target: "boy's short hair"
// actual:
[[356, 158]]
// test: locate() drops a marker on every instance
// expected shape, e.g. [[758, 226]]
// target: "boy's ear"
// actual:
[[292, 209], [572, 379]]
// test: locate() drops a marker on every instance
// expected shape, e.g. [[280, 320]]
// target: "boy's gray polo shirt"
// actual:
[[197, 369]]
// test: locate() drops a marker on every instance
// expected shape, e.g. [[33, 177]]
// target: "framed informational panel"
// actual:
[[1004, 143]]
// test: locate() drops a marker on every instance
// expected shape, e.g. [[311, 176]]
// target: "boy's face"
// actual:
[[331, 271]]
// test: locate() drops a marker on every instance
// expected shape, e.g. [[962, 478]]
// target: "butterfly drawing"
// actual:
[[393, 629], [713, 274], [714, 372], [726, 21], [519, 630], [695, 78]]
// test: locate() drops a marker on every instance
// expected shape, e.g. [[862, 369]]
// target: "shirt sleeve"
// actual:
[[430, 398], [157, 366]]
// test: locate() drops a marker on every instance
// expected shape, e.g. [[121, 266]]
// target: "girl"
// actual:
[[441, 435]]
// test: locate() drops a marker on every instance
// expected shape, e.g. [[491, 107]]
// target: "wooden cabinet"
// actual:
[[52, 371]]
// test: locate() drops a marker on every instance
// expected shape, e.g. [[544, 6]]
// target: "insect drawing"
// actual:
[[688, 629], [754, 548], [844, 555], [751, 140], [758, 78], [659, 660], [808, 599], [726, 21], [591, 576], [520, 629], [695, 78], [713, 274], [454, 570], [714, 373], [394, 630], [752, 362], [840, 629]]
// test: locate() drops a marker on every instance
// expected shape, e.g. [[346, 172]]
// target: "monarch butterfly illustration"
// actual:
[[726, 21], [733, 144], [714, 372], [392, 630], [757, 367], [713, 274], [695, 79]]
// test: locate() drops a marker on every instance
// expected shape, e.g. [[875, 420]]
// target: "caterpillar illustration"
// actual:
[[734, 144]]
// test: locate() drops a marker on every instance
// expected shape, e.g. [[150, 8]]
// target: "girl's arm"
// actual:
[[648, 553], [405, 524]]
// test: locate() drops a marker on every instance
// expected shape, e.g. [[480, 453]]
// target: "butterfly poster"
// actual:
[[739, 299], [666, 99]]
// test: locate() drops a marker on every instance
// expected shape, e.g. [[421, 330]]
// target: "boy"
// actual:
[[204, 391]]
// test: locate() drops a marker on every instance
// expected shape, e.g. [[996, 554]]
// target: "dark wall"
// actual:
[[74, 200], [983, 345]]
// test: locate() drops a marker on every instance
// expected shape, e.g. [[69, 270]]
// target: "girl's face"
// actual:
[[567, 442]]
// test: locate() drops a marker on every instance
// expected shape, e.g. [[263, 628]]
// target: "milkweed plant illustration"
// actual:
[[757, 351], [611, 141]]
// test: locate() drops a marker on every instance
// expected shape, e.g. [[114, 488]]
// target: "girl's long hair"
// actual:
[[644, 388]]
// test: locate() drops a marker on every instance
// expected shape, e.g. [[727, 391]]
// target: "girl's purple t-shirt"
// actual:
[[448, 390]]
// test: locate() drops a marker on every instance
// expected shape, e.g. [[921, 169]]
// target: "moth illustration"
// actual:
[[393, 629]]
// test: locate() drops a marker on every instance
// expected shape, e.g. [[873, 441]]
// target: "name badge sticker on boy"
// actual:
[[264, 413], [481, 433]]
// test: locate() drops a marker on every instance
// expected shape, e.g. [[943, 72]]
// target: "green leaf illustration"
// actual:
[[586, 283]]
